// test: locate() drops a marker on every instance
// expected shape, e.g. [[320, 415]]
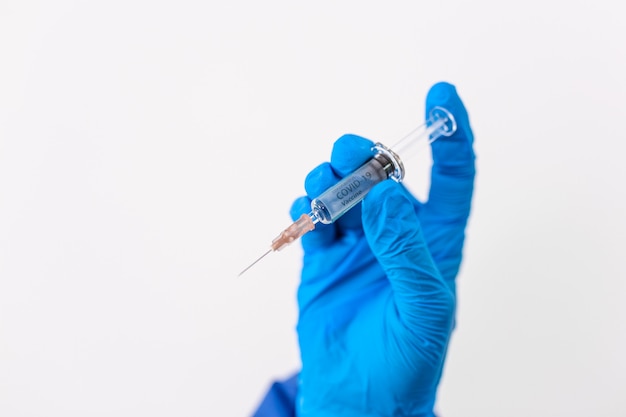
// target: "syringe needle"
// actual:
[[304, 224], [253, 263]]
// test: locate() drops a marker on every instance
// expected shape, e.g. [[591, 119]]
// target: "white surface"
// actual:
[[139, 140]]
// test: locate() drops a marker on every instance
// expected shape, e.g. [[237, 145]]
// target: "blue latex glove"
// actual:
[[377, 297]]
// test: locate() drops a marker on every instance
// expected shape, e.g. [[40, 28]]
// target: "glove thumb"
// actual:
[[423, 301]]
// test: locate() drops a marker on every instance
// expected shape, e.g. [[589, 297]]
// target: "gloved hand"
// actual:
[[377, 296]]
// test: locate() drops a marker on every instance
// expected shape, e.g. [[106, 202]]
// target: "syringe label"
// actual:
[[352, 189]]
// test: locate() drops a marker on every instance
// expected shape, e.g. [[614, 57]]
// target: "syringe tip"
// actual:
[[252, 264], [298, 228]]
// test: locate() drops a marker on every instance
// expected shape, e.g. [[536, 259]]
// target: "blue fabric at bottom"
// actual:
[[280, 400]]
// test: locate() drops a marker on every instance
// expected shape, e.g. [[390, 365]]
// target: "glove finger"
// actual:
[[453, 168], [422, 299], [320, 178], [349, 153], [321, 236], [446, 212]]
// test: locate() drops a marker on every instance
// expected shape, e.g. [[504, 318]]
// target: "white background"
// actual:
[[150, 149]]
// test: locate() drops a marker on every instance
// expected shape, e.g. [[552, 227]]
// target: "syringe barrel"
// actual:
[[348, 192]]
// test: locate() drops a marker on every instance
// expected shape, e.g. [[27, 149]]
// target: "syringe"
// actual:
[[347, 193]]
